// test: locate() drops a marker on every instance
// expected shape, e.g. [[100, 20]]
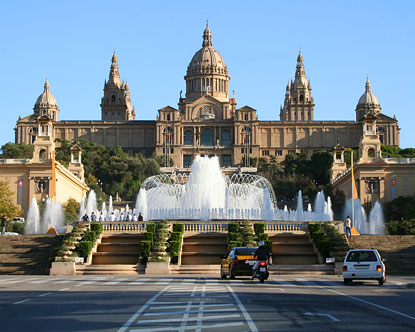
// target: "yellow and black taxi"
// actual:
[[238, 261]]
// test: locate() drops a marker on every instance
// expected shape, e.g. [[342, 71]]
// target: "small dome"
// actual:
[[368, 98], [207, 59], [46, 98]]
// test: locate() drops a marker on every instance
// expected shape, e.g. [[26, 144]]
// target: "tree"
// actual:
[[6, 202], [17, 151], [321, 163], [71, 209], [401, 208]]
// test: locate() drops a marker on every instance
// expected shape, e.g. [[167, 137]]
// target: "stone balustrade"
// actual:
[[214, 226]]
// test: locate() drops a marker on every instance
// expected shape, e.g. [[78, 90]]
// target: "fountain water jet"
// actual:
[[33, 218]]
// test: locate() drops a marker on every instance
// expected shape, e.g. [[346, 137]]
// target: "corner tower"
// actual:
[[207, 73], [116, 103], [298, 103]]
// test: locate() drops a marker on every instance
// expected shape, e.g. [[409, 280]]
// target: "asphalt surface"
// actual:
[[204, 303]]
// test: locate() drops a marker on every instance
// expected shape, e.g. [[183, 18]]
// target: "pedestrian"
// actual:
[[101, 217], [135, 217], [128, 217], [85, 217], [122, 218], [348, 227], [140, 217], [93, 216], [112, 216], [3, 224]]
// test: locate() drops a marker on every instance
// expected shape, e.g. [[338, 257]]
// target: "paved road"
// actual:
[[203, 303]]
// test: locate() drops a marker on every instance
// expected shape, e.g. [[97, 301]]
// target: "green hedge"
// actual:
[[151, 227], [233, 227], [145, 249], [268, 244], [178, 228], [262, 237], [90, 236], [233, 237], [97, 228], [259, 228], [328, 240], [233, 244], [314, 227], [84, 248], [174, 248], [148, 236], [401, 227], [176, 236]]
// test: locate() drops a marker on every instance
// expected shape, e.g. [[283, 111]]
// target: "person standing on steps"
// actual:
[[140, 217], [3, 224], [348, 227]]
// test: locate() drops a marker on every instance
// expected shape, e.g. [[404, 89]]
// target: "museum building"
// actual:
[[207, 120]]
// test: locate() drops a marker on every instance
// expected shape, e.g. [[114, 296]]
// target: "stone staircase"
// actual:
[[27, 254], [398, 250], [201, 253], [116, 254]]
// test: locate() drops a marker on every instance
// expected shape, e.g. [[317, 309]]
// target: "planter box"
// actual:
[[62, 269], [157, 268]]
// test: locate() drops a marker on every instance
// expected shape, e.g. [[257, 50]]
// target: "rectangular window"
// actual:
[[242, 150], [265, 152], [291, 151], [171, 150], [187, 160], [278, 152], [227, 160]]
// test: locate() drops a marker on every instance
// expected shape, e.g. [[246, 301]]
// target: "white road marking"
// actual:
[[63, 289], [168, 320], [163, 281], [176, 294], [371, 303], [117, 281], [42, 281], [305, 282], [184, 306], [284, 282], [23, 301], [65, 281], [190, 312], [45, 294], [326, 315], [275, 288], [139, 311], [243, 310], [191, 327], [23, 280], [139, 281]]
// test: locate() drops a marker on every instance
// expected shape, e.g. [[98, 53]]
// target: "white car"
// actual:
[[364, 264]]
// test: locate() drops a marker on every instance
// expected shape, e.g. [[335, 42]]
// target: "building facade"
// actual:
[[207, 120]]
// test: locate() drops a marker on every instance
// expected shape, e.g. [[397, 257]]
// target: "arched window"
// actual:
[[113, 99], [226, 138], [188, 137], [203, 85], [301, 98], [168, 117], [168, 134], [207, 137], [246, 116], [371, 153]]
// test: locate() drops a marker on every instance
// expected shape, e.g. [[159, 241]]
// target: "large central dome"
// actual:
[[207, 73], [207, 59]]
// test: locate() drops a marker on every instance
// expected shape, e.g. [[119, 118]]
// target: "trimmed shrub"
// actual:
[[174, 248], [148, 236], [151, 227], [84, 248], [233, 227], [324, 248], [259, 228], [178, 228], [314, 227], [262, 237], [268, 244], [97, 228], [145, 249], [90, 236], [233, 237], [176, 236], [233, 244]]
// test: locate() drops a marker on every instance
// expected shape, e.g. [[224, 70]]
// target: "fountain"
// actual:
[[33, 218], [376, 220], [208, 194]]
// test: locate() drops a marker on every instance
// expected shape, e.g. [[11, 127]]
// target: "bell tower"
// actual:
[[116, 103], [298, 102]]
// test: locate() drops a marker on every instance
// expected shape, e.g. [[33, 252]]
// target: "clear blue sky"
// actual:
[[342, 41]]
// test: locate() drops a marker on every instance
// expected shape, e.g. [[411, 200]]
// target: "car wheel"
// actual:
[[381, 281], [222, 275], [347, 281], [231, 275]]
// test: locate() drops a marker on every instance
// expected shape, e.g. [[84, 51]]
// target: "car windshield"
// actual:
[[361, 256], [245, 251]]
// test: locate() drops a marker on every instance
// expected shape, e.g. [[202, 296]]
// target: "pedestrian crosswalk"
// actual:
[[183, 282]]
